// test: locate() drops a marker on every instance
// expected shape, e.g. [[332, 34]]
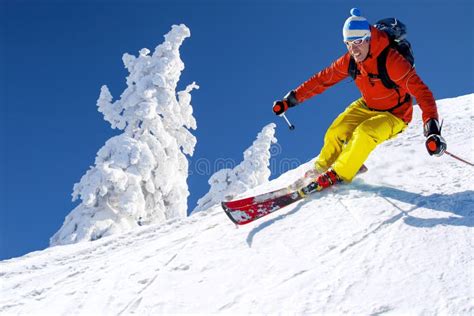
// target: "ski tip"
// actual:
[[227, 212]]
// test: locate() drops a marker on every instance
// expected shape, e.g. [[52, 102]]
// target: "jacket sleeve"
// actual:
[[405, 76], [324, 79]]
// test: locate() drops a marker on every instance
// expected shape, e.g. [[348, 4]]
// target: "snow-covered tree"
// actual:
[[251, 172], [139, 177]]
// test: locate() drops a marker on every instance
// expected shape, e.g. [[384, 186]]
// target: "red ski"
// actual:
[[246, 210], [311, 174], [248, 213]]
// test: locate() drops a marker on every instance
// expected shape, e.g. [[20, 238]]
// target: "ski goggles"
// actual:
[[356, 42]]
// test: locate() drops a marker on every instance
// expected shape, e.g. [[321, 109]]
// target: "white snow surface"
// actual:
[[251, 172], [397, 240]]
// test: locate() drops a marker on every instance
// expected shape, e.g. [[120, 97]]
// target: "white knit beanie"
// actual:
[[356, 26]]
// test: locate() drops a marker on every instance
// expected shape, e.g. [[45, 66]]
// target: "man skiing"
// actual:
[[380, 114]]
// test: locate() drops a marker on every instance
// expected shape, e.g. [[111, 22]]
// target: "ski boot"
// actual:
[[323, 181]]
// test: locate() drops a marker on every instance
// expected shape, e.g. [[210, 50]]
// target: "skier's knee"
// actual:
[[367, 131], [337, 134]]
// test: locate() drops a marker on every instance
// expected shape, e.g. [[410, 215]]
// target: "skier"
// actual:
[[380, 114]]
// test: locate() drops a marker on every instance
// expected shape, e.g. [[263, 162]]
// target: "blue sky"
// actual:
[[55, 55]]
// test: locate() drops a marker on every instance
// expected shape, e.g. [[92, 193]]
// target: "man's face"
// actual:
[[359, 49]]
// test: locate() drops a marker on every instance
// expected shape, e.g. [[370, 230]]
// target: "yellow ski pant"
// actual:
[[352, 137]]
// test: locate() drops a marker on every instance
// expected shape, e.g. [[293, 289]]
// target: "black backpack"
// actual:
[[396, 32]]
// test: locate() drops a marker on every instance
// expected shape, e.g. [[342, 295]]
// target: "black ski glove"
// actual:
[[435, 143], [289, 101]]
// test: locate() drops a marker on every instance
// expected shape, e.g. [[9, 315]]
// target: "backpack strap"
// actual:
[[401, 102], [383, 76], [387, 81], [352, 69], [382, 69]]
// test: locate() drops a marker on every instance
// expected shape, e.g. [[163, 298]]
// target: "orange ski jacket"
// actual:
[[374, 93]]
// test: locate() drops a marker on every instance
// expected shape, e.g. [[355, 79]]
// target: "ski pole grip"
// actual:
[[290, 126]]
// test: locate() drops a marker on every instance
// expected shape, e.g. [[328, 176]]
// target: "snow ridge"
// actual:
[[397, 240]]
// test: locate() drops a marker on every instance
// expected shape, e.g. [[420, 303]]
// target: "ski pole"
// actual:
[[452, 155], [290, 126], [456, 157]]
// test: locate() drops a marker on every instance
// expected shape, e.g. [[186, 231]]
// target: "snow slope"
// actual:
[[398, 240]]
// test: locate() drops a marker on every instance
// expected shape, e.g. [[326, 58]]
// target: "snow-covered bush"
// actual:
[[251, 172], [140, 176]]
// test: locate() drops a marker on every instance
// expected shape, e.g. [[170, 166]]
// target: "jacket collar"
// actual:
[[378, 41]]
